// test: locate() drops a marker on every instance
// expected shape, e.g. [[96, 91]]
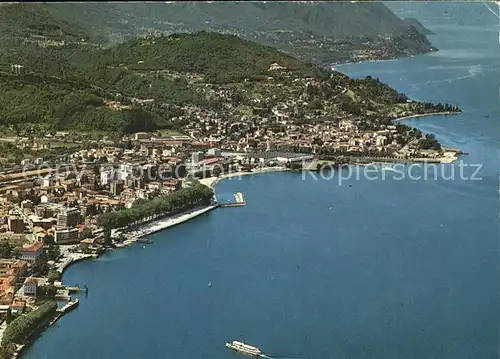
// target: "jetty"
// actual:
[[163, 223], [239, 200], [69, 306]]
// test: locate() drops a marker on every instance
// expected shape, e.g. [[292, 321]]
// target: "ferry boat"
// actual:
[[244, 348]]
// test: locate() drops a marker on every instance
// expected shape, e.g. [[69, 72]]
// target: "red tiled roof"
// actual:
[[33, 248], [198, 143], [209, 161], [31, 280], [172, 182]]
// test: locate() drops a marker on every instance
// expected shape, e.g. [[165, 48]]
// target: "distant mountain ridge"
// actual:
[[417, 25], [322, 32]]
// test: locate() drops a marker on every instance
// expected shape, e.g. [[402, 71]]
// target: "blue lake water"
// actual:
[[386, 269]]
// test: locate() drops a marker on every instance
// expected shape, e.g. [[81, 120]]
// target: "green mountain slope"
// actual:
[[221, 58], [74, 97], [322, 32], [61, 104], [73, 79], [43, 43]]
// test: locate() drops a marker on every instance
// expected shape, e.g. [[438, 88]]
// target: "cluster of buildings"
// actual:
[[63, 206], [257, 124], [17, 285], [289, 114]]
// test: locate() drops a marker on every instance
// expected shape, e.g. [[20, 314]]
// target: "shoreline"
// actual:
[[335, 64], [386, 59], [75, 258], [161, 224], [212, 181], [409, 117], [147, 229]]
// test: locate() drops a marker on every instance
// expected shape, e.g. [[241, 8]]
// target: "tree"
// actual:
[[48, 239], [53, 252], [53, 276], [5, 249], [47, 291], [315, 105], [23, 325], [107, 236], [158, 206]]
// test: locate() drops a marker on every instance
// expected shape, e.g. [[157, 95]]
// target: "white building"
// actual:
[[126, 170], [30, 286], [32, 254], [196, 157], [381, 140], [268, 146], [295, 159], [66, 236], [48, 181], [108, 175], [48, 198], [214, 152]]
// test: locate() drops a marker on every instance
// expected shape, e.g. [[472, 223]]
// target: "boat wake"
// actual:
[[283, 357], [256, 352], [274, 356], [472, 71], [493, 11]]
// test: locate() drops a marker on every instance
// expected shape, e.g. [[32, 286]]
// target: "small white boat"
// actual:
[[244, 348]]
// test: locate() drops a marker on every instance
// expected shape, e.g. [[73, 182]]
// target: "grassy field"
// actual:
[[61, 144], [171, 133], [245, 110]]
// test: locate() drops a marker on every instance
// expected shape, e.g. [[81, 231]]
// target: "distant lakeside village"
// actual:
[[92, 196]]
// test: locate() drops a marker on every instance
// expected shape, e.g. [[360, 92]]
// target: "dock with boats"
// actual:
[[239, 201], [69, 306]]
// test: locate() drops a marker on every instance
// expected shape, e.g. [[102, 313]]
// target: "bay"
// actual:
[[326, 268]]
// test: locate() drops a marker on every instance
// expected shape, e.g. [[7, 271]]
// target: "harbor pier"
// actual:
[[239, 200]]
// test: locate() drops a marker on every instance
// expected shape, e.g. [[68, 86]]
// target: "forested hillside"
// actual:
[[58, 72], [221, 58], [73, 95], [64, 105]]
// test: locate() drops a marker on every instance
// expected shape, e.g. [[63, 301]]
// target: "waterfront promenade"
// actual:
[[70, 257], [168, 222]]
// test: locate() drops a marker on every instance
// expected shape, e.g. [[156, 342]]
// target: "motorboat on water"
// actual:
[[244, 348]]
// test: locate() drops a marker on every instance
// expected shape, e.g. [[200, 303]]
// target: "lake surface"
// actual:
[[326, 268]]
